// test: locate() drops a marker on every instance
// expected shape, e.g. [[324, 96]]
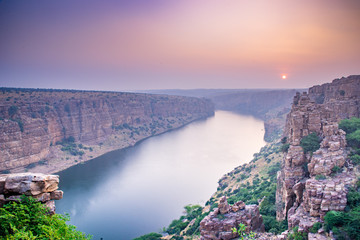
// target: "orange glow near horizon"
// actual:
[[237, 43]]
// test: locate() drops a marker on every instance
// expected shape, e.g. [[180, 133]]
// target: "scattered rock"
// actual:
[[219, 223]]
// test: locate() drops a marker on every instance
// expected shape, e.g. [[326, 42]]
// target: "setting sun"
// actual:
[[283, 76]]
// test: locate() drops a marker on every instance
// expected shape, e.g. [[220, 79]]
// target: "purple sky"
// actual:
[[162, 44]]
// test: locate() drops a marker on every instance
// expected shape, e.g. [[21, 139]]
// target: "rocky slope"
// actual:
[[309, 185], [49, 130]]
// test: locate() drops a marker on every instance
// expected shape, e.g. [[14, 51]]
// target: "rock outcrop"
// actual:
[[40, 186], [308, 185], [219, 223], [33, 121]]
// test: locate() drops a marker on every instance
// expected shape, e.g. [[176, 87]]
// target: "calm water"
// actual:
[[127, 193]]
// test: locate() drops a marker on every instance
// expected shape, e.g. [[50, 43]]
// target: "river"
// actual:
[[130, 192]]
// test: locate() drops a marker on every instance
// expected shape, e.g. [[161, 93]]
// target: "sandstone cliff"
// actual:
[[34, 122], [307, 186]]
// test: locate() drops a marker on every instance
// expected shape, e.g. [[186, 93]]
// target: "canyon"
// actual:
[[50, 130], [269, 105]]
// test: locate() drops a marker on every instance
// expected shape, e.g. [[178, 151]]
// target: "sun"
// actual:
[[283, 76]]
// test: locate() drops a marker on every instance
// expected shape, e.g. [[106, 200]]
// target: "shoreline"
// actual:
[[59, 160]]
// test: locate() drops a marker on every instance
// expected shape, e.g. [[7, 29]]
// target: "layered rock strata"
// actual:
[[40, 186], [219, 223], [32, 122], [307, 185]]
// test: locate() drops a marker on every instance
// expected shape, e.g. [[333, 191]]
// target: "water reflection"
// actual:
[[127, 193]]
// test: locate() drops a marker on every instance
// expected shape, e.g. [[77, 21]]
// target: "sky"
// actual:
[[166, 44]]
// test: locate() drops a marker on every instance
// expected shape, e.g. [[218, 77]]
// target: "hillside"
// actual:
[[50, 130]]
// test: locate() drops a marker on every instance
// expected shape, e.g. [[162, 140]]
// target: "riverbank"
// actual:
[[59, 160]]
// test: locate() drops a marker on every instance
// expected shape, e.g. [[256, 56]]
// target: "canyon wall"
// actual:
[[39, 127], [307, 186]]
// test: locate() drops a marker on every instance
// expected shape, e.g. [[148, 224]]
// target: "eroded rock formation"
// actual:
[[307, 186], [33, 121], [219, 223], [40, 186]]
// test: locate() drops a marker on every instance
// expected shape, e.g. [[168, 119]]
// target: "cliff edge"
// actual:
[[50, 130], [312, 183]]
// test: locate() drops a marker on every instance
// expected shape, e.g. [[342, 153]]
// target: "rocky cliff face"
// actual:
[[307, 186], [40, 186], [32, 122]]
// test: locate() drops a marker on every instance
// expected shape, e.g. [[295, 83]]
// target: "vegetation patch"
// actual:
[[346, 225], [191, 212], [69, 145], [352, 129], [29, 219], [310, 143], [150, 236]]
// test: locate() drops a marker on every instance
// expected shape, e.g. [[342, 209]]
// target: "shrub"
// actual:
[[310, 143], [320, 177], [29, 219], [150, 236], [353, 139], [273, 226], [355, 159], [296, 235], [283, 140], [353, 198], [350, 125], [336, 169], [316, 227], [285, 147], [12, 111]]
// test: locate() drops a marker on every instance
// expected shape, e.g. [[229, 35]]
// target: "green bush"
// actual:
[[150, 236], [273, 226], [355, 159], [310, 143], [296, 235], [336, 169], [285, 147], [350, 125], [353, 139], [320, 177], [315, 228], [29, 219]]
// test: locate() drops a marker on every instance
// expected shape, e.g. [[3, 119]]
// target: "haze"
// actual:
[[162, 44]]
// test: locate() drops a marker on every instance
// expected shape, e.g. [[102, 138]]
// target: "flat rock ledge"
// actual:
[[40, 186], [218, 224]]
